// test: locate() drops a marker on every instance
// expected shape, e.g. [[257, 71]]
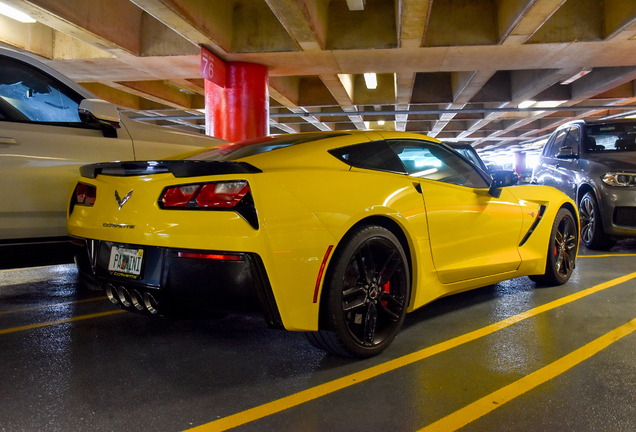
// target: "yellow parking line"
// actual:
[[304, 396], [606, 255], [483, 406], [62, 321], [51, 305]]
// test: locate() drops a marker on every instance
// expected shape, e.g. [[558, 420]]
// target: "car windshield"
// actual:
[[243, 149], [611, 137]]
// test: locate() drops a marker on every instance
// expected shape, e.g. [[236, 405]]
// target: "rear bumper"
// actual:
[[170, 284]]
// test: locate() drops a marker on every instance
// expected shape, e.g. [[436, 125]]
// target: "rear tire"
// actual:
[[561, 255], [365, 296], [592, 233]]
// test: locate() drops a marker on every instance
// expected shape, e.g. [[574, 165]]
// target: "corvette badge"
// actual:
[[120, 201]]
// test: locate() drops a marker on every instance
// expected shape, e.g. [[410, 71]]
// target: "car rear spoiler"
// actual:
[[178, 168]]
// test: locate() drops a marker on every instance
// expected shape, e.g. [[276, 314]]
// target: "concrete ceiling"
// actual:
[[453, 69]]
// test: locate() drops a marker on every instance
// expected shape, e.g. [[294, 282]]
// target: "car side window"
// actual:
[[573, 140], [33, 96], [431, 161], [556, 144]]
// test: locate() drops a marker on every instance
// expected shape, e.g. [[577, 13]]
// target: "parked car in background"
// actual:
[[49, 127], [525, 176], [338, 234], [594, 162]]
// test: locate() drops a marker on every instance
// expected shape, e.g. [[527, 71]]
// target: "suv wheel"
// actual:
[[592, 233]]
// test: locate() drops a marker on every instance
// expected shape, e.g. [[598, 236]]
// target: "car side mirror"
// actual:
[[100, 114], [566, 153], [501, 179]]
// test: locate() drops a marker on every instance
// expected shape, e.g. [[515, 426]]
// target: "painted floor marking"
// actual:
[[62, 321], [53, 305], [316, 392], [483, 406], [605, 255]]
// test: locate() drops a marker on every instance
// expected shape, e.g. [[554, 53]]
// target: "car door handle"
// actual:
[[9, 141]]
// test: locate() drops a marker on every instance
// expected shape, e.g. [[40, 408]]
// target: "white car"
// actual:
[[49, 127]]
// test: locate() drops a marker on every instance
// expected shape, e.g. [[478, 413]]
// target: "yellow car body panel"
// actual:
[[458, 238]]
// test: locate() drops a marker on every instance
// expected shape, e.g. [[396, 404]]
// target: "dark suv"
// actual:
[[594, 162]]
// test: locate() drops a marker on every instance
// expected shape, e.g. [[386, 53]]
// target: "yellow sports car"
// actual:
[[337, 234]]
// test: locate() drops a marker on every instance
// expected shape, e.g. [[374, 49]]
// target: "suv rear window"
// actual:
[[611, 137]]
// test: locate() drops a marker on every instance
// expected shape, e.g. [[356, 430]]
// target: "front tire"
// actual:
[[365, 296], [561, 250], [592, 233]]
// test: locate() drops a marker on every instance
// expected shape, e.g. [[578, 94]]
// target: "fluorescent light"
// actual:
[[370, 80], [576, 76], [15, 14], [549, 104], [526, 104]]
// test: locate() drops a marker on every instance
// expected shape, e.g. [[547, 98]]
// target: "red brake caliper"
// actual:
[[387, 289]]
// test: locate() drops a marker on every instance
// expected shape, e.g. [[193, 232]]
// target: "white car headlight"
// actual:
[[620, 179]]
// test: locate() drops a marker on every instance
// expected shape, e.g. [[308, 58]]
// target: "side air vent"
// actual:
[[534, 225]]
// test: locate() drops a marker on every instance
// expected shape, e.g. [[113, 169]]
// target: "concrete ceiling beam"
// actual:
[[342, 88], [304, 20], [199, 21], [620, 19], [518, 21], [111, 25], [465, 86], [412, 21], [161, 92], [583, 89]]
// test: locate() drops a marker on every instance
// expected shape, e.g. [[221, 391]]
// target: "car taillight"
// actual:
[[205, 195], [85, 194], [224, 195], [179, 196]]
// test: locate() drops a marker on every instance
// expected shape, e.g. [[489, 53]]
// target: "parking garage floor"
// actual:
[[507, 357]]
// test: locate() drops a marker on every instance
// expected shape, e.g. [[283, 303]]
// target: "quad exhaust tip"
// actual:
[[121, 296]]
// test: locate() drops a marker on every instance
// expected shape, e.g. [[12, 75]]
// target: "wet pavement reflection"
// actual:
[[123, 371]]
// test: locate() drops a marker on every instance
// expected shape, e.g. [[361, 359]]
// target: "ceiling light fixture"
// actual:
[[527, 104], [576, 76], [549, 104], [371, 80], [15, 14]]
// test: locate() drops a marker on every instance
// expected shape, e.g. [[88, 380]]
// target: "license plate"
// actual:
[[125, 262]]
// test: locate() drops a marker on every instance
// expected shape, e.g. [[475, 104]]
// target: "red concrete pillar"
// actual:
[[520, 162], [239, 109]]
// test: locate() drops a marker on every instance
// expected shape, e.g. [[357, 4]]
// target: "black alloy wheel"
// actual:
[[560, 261], [365, 296], [592, 233]]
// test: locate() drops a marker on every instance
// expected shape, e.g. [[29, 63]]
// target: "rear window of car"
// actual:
[[243, 149], [374, 155]]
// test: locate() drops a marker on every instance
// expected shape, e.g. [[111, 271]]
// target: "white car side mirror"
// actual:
[[99, 109], [100, 114]]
